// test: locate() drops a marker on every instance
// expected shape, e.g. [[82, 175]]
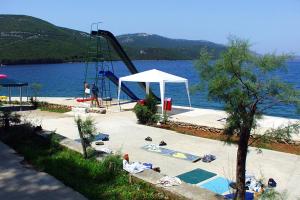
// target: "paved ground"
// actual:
[[199, 116], [127, 136], [20, 183]]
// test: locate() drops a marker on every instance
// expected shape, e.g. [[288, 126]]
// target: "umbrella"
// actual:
[[3, 76]]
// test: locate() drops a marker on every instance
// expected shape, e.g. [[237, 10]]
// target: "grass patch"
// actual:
[[93, 179]]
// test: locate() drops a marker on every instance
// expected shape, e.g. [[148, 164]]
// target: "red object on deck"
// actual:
[[141, 102], [84, 100], [168, 104], [126, 157]]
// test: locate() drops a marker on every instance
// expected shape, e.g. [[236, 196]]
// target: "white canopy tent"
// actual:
[[155, 76]]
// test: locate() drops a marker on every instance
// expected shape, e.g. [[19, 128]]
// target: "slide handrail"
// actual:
[[122, 54]]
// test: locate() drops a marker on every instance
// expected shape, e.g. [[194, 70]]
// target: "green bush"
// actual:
[[151, 104], [146, 113], [8, 117], [142, 113]]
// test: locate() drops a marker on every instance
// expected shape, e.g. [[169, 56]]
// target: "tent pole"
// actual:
[[119, 92], [188, 93], [27, 93], [147, 88], [162, 96]]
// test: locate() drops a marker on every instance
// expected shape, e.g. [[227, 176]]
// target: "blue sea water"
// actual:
[[59, 80]]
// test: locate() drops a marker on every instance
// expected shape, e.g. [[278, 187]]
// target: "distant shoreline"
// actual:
[[29, 62], [80, 61]]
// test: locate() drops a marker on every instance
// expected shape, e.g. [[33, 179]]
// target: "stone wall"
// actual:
[[174, 124]]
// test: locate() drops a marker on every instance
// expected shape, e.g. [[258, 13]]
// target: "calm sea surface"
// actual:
[[66, 79]]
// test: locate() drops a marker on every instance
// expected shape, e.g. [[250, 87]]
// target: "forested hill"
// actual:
[[25, 39]]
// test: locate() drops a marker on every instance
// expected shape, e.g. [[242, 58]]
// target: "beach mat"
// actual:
[[98, 137], [101, 136], [196, 176], [218, 185], [172, 153]]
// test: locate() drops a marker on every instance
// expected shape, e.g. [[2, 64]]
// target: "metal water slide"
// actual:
[[120, 51], [113, 78]]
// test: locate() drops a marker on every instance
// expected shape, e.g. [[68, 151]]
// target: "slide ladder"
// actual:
[[122, 54]]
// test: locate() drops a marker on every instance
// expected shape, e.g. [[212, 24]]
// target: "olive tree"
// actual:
[[245, 83]]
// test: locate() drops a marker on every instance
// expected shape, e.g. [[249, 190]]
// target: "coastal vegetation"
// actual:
[[28, 40], [243, 81], [86, 129], [50, 107], [7, 118], [265, 141], [35, 89], [94, 179], [146, 110]]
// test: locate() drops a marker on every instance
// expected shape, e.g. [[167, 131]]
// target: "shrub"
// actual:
[[7, 117], [45, 106], [34, 102], [147, 113], [86, 129], [142, 113], [151, 104]]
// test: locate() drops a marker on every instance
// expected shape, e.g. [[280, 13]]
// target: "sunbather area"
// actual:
[[205, 163]]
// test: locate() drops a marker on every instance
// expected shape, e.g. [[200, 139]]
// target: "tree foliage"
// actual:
[[35, 88], [282, 133], [245, 83], [247, 86], [86, 129]]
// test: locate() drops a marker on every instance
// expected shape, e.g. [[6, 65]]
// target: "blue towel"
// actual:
[[218, 185]]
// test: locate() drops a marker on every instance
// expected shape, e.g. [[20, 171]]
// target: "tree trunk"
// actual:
[[241, 163], [82, 140]]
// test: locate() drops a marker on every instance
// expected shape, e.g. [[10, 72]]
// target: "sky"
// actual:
[[271, 26]]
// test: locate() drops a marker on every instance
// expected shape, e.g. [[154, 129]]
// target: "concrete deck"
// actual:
[[18, 182], [127, 136], [198, 116]]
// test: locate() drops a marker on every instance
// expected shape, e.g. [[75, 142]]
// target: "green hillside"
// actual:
[[25, 39], [151, 46]]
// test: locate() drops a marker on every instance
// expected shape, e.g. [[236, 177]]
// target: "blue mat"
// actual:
[[196, 176], [218, 185], [248, 196], [174, 154], [98, 137]]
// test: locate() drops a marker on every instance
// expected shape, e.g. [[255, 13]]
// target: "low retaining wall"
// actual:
[[194, 126], [184, 191]]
